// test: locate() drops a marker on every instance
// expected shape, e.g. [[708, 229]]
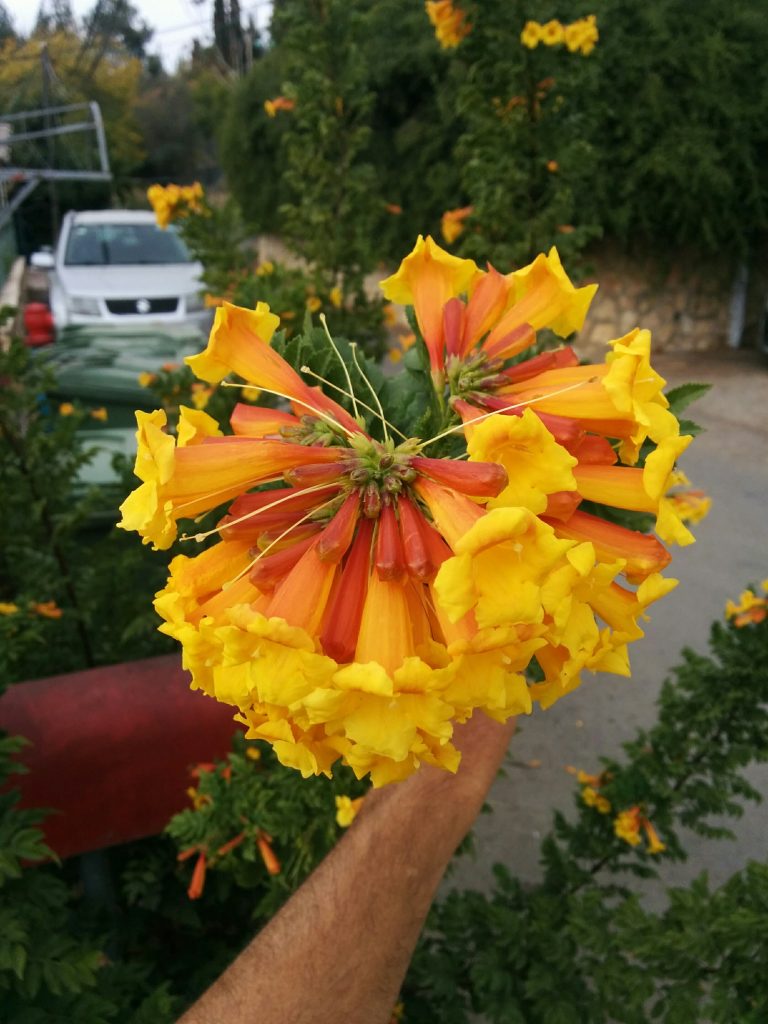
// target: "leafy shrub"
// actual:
[[579, 946]]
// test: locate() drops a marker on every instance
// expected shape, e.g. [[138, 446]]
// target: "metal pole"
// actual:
[[53, 193]]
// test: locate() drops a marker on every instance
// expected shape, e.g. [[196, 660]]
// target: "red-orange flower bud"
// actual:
[[478, 479], [390, 558]]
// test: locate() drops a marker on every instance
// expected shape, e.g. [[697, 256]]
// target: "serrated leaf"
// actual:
[[689, 427], [681, 397]]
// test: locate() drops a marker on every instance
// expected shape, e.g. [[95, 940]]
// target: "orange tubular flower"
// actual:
[[452, 223], [449, 22], [318, 613], [272, 107]]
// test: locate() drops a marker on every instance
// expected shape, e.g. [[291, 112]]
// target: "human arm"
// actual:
[[339, 948]]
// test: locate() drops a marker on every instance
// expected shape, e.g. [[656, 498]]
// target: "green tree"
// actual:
[[677, 117], [333, 210]]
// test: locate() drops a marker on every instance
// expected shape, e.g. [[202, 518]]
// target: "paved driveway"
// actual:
[[730, 462]]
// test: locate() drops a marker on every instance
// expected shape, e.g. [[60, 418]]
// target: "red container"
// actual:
[[38, 324], [111, 748]]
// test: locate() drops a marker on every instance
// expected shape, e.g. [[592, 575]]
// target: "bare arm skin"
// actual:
[[339, 948]]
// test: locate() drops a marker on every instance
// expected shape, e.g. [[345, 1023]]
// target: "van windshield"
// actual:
[[97, 245]]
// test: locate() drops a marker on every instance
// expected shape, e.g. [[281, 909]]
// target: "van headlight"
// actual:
[[81, 305], [194, 302]]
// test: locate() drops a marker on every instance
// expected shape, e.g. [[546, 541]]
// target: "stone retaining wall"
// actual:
[[684, 304]]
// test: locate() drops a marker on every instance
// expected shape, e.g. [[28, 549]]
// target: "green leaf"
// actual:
[[681, 397]]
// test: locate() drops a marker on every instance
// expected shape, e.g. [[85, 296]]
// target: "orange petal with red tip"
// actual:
[[390, 557], [485, 305], [338, 534], [412, 532], [311, 476], [345, 607], [273, 568], [505, 344], [564, 430], [643, 554], [426, 279], [452, 513], [268, 509], [437, 549], [478, 479], [591, 450], [562, 504], [239, 343], [285, 534], [253, 421], [237, 462], [453, 326], [532, 367], [301, 597]]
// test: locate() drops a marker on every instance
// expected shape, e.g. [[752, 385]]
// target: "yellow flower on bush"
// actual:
[[592, 798], [750, 608], [449, 21], [690, 504], [66, 409], [590, 793], [627, 826], [265, 269], [100, 414], [347, 810], [314, 303], [47, 609], [274, 106], [336, 296], [175, 201], [582, 35], [452, 223], [531, 35], [8, 608], [201, 395], [145, 378], [553, 33]]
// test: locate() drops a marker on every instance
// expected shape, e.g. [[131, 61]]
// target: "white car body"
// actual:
[[118, 267]]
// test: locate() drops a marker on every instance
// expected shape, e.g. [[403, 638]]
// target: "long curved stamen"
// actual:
[[358, 401], [332, 343], [371, 388], [212, 494], [277, 540], [199, 537], [289, 398], [503, 412]]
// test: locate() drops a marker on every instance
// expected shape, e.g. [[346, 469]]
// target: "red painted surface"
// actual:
[[111, 749], [38, 324]]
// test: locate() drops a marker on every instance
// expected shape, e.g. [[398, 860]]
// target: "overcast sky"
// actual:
[[176, 22]]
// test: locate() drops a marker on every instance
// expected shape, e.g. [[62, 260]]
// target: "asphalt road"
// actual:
[[730, 462]]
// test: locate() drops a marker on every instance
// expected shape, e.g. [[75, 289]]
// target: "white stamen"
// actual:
[[344, 367], [359, 401], [199, 537], [371, 388], [277, 540]]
